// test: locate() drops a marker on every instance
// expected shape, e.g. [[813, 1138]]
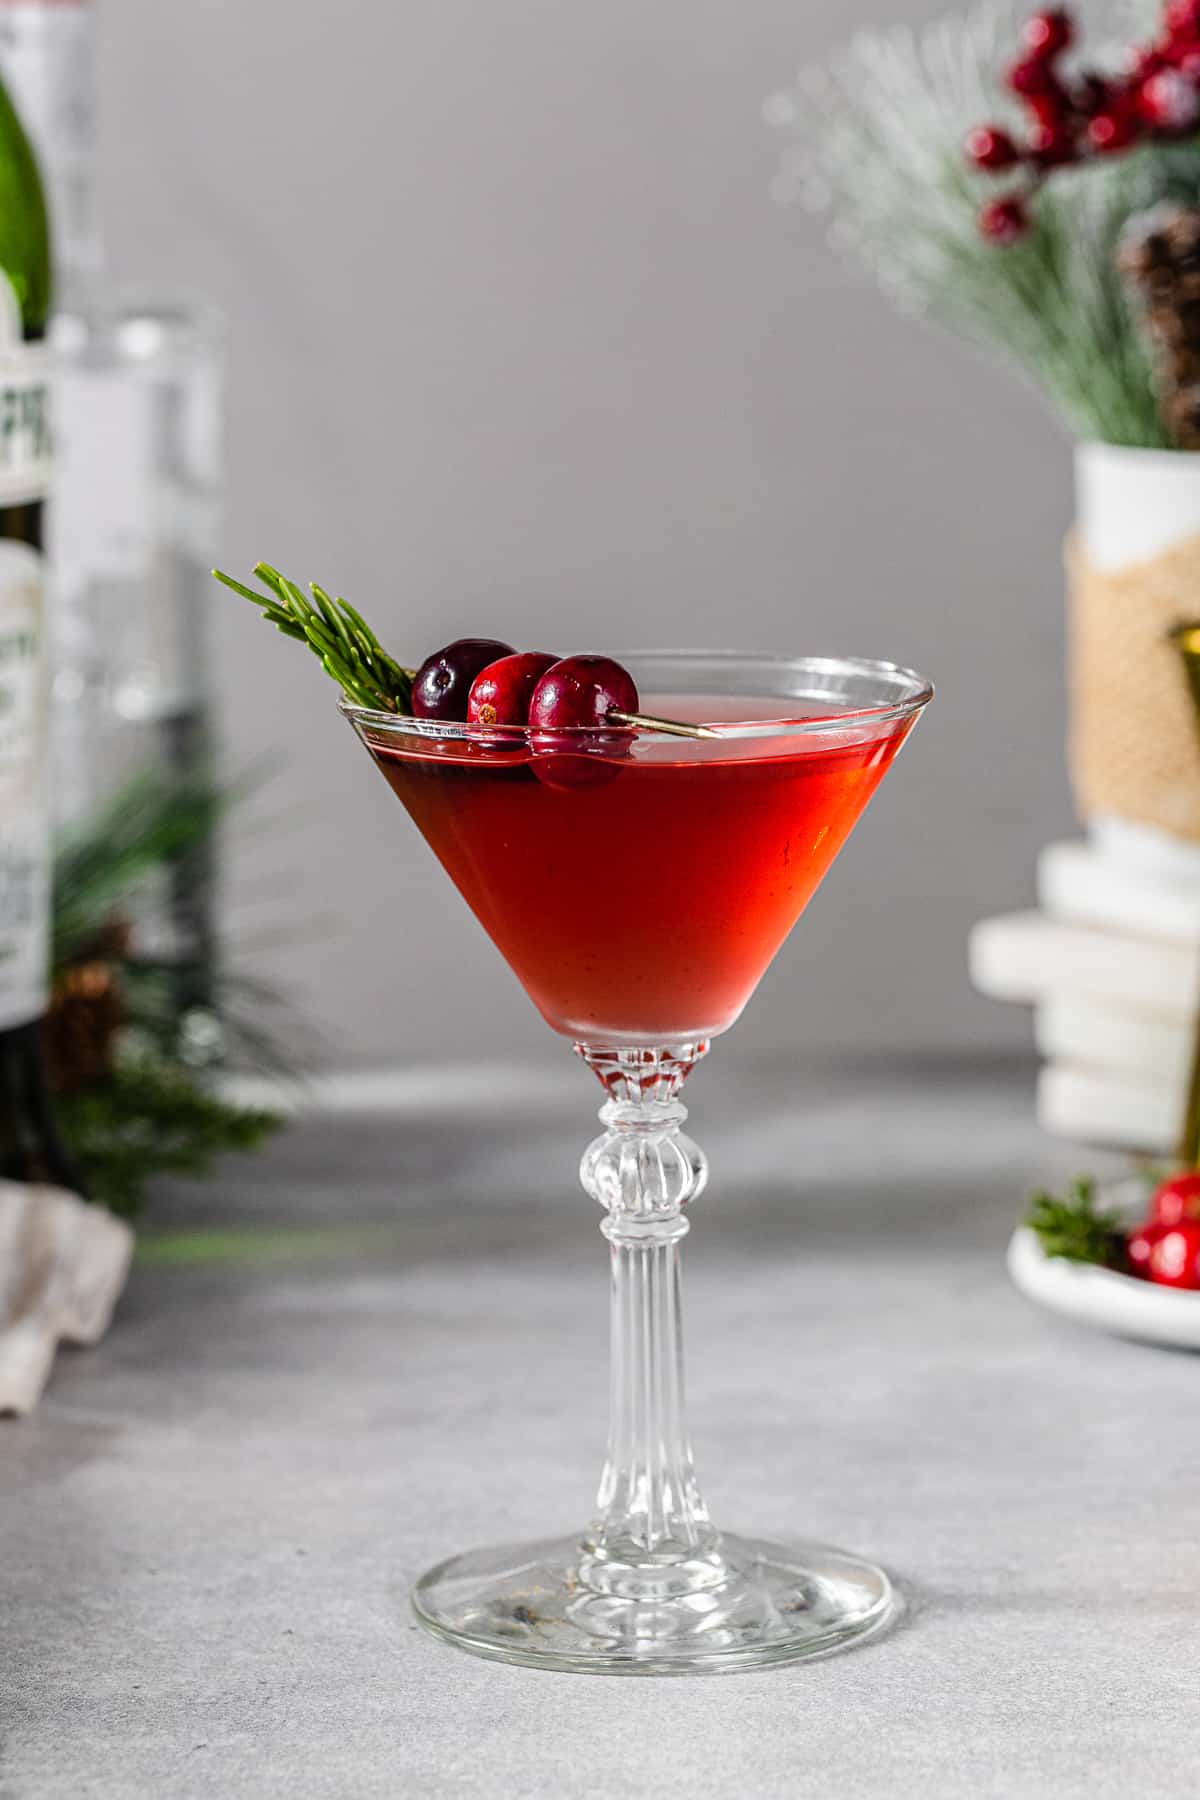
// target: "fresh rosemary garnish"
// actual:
[[346, 646], [1074, 1227], [349, 650]]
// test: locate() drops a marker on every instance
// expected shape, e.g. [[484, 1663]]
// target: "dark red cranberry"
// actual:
[[500, 694], [581, 690], [990, 148], [1048, 33], [443, 682], [1004, 221]]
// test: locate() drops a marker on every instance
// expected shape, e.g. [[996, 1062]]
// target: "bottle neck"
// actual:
[[48, 65]]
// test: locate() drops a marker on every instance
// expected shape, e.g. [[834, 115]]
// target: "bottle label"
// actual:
[[24, 812], [25, 444]]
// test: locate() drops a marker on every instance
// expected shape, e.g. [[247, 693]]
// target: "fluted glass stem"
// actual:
[[652, 1535]]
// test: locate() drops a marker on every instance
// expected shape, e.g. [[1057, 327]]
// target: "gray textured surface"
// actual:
[[210, 1527]]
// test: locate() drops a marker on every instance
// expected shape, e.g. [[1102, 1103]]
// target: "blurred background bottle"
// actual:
[[30, 1149], [135, 520]]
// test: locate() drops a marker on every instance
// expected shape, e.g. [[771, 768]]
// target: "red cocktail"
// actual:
[[639, 892]]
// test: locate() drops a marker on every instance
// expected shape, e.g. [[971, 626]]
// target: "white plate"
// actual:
[[1124, 1305]]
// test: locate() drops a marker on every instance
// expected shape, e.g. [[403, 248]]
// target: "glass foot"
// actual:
[[754, 1603]]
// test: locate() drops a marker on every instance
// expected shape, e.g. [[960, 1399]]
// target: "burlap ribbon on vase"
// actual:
[[1132, 747]]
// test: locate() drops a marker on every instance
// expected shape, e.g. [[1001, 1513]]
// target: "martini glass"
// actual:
[[638, 885]]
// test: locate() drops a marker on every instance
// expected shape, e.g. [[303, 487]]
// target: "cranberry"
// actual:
[[988, 147], [1175, 1256], [500, 694], [1032, 77], [1048, 33], [443, 682], [1177, 1199], [581, 690], [1138, 1246], [1004, 221]]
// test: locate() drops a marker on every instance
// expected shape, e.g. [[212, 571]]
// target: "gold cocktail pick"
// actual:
[[670, 727], [1186, 639]]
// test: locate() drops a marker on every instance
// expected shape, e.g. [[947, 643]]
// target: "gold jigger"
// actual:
[[1186, 639]]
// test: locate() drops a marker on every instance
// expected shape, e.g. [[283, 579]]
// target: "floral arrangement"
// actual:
[[1039, 203]]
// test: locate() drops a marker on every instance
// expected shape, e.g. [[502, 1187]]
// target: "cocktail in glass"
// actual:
[[639, 884]]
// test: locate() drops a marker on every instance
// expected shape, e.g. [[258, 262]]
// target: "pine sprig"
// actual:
[[337, 635], [874, 139], [1075, 1228]]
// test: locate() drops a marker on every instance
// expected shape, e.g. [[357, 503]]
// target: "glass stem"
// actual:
[[652, 1536]]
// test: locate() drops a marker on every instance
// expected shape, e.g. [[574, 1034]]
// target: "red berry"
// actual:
[[1032, 77], [1186, 58], [1168, 101], [1181, 18], [443, 682], [1111, 131], [1053, 145], [1175, 1256], [988, 147], [1004, 221], [500, 694], [1138, 1246], [1176, 1200], [1141, 62], [581, 690], [1047, 34]]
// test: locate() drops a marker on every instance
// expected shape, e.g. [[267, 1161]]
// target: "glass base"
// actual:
[[756, 1603]]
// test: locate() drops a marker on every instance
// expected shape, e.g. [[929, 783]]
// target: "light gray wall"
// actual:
[[520, 346]]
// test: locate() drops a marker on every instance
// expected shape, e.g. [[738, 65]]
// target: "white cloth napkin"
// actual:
[[63, 1264]]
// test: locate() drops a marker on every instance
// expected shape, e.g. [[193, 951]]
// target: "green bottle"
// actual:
[[30, 1149]]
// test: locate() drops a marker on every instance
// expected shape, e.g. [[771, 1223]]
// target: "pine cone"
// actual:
[[1159, 256], [87, 1010]]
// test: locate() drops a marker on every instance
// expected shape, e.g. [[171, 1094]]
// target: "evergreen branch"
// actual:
[[1074, 1228], [151, 1118], [345, 646]]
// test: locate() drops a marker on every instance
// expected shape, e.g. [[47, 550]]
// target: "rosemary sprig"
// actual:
[[349, 650], [1074, 1227], [336, 634]]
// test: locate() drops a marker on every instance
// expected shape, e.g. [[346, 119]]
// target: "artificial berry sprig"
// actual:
[[1077, 116]]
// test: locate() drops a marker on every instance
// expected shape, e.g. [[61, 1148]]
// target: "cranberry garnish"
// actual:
[[443, 682], [581, 690], [1175, 1256], [1177, 1199], [500, 694]]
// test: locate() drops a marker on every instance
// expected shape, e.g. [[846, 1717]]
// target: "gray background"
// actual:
[[521, 346]]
